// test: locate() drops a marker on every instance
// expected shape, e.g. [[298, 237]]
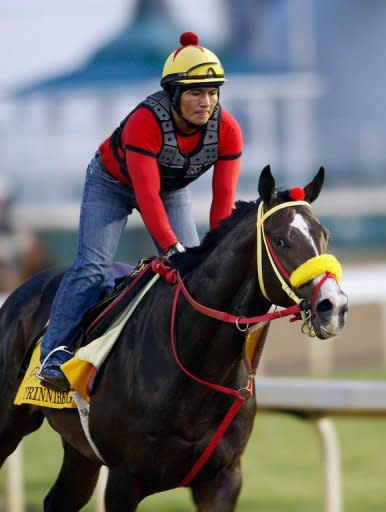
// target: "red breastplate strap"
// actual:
[[240, 397], [171, 276]]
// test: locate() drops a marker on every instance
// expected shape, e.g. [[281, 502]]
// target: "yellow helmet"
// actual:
[[192, 64]]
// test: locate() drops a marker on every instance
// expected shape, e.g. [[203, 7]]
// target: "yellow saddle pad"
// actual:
[[80, 369], [32, 392]]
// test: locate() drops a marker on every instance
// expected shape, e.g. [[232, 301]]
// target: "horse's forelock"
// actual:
[[283, 195]]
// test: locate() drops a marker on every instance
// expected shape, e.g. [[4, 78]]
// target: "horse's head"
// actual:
[[293, 244]]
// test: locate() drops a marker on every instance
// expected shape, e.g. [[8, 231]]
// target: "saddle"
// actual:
[[100, 328], [97, 318], [125, 282]]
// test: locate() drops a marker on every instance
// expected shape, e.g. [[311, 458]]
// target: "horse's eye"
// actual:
[[279, 242]]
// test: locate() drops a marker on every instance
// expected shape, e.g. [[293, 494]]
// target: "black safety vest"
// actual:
[[176, 170]]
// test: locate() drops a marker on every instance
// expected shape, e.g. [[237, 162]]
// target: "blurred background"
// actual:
[[306, 82]]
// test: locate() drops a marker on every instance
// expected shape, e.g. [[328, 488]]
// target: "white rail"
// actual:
[[319, 401]]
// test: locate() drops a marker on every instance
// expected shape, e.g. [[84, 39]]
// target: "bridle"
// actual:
[[323, 264], [262, 240]]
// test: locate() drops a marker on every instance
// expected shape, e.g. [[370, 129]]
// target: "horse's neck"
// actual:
[[226, 281]]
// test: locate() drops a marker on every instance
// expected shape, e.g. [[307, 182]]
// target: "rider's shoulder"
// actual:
[[229, 126], [141, 117], [228, 120]]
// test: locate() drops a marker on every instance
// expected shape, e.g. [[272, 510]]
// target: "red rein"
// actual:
[[171, 276]]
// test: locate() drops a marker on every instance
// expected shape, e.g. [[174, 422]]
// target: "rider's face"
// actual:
[[197, 105]]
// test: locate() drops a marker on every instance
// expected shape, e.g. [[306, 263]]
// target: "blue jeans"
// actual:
[[105, 208]]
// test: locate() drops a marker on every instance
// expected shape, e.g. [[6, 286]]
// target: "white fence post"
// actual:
[[383, 329], [14, 493], [320, 400], [14, 486], [331, 466]]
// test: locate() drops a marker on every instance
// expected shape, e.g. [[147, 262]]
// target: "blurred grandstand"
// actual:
[[305, 81]]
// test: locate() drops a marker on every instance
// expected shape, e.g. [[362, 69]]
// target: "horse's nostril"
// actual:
[[324, 306], [342, 315]]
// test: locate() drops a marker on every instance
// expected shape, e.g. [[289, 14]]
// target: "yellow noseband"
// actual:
[[314, 267]]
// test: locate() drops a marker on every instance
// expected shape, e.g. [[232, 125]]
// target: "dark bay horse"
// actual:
[[148, 419]]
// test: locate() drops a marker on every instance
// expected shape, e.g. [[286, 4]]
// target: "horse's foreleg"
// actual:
[[122, 491], [75, 483], [15, 423], [219, 495]]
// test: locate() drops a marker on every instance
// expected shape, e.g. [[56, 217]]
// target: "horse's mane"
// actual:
[[215, 235], [241, 210]]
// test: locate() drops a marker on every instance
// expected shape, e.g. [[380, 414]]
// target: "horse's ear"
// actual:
[[266, 186], [312, 190]]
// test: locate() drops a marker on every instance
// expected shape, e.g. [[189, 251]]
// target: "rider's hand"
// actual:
[[184, 259]]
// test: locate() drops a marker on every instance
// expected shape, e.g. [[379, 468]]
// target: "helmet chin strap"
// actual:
[[189, 124]]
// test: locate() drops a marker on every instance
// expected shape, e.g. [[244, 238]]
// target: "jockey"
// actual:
[[164, 144]]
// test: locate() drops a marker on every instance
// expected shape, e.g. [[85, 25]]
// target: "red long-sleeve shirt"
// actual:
[[142, 131]]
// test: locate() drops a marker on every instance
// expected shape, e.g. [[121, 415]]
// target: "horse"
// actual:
[[156, 408]]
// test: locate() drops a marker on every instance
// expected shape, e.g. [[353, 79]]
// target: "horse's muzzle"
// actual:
[[330, 309]]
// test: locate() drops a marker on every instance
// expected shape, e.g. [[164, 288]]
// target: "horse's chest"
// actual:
[[166, 459], [174, 452]]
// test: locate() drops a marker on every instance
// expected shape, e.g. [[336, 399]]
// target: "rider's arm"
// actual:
[[143, 135], [226, 169], [145, 178], [224, 184]]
